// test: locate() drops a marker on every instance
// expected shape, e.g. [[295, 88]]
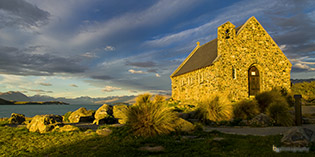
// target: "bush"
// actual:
[[215, 108], [245, 109], [158, 99], [279, 112], [264, 99], [143, 99], [66, 117], [150, 119], [306, 89]]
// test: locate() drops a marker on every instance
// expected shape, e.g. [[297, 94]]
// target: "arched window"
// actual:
[[233, 73]]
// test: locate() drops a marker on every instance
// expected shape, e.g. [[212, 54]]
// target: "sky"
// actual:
[[100, 48]]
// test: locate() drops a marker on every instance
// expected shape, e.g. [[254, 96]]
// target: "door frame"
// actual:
[[259, 79]]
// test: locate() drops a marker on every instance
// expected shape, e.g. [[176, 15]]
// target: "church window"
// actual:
[[234, 73]]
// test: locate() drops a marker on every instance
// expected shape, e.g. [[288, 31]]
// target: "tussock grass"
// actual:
[[245, 109], [143, 99], [214, 108], [279, 111], [148, 118]]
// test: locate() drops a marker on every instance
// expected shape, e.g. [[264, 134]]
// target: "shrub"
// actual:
[[149, 119], [306, 89], [143, 99], [279, 112], [264, 99], [245, 109], [215, 108], [158, 99]]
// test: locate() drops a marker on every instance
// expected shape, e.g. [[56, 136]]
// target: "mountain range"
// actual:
[[18, 96]]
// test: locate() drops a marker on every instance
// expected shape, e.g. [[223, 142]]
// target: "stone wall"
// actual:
[[237, 52]]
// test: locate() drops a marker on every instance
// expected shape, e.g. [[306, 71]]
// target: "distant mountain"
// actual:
[[14, 96], [302, 80], [5, 102], [86, 100]]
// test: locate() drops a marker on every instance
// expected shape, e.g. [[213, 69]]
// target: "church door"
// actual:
[[253, 81]]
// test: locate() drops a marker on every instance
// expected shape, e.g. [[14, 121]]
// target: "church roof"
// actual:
[[204, 56]]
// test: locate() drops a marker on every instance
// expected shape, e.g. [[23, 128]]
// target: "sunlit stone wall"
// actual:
[[237, 52]]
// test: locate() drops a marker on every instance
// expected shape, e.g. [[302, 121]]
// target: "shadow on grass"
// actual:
[[197, 144]]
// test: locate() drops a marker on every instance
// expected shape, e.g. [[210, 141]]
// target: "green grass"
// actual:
[[20, 142]]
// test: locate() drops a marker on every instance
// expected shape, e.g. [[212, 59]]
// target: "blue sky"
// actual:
[[99, 48]]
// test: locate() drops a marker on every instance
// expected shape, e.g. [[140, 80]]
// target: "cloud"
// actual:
[[160, 12], [21, 13], [136, 71], [145, 64], [73, 85], [89, 55], [21, 62], [39, 91], [282, 47], [110, 89], [45, 84], [152, 70], [157, 75], [109, 48], [300, 67], [101, 77]]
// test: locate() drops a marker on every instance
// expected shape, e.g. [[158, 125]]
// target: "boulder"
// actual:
[[66, 128], [104, 115], [16, 118], [260, 120], [119, 112], [298, 136], [44, 123], [184, 125], [104, 131], [81, 115], [154, 149]]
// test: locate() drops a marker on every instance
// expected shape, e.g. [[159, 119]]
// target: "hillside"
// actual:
[[14, 96], [86, 100], [5, 102]]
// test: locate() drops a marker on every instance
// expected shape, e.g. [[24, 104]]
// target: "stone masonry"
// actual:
[[237, 50]]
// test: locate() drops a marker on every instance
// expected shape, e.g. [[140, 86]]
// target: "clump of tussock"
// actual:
[[279, 112], [150, 118], [245, 109], [214, 108]]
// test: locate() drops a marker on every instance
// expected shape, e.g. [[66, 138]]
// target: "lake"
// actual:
[[32, 110]]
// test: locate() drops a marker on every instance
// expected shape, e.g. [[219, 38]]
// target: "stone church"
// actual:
[[240, 62]]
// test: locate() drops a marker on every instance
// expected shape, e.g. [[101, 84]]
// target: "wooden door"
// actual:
[[253, 81]]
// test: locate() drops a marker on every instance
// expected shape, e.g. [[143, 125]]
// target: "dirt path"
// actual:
[[255, 130]]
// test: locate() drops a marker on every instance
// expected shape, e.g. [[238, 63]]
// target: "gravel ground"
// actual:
[[262, 131]]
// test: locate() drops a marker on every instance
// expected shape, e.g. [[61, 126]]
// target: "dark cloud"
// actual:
[[74, 85], [292, 26], [152, 70], [39, 91], [20, 62], [145, 64], [20, 12], [45, 84], [102, 77]]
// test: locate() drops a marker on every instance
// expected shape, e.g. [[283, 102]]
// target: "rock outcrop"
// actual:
[[16, 118], [183, 125], [119, 112], [81, 115], [104, 131], [261, 120], [298, 136], [44, 123], [104, 115], [66, 128]]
